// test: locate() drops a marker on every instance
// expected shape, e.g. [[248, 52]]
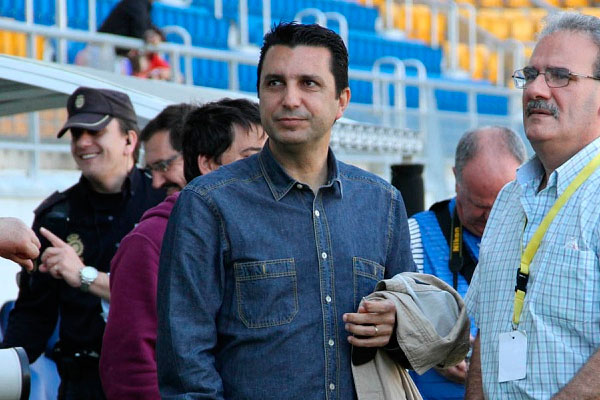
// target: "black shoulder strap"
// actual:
[[442, 214], [449, 223]]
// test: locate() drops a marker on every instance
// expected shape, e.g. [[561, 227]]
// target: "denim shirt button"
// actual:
[[323, 255], [328, 299], [331, 386], [317, 213], [299, 186], [331, 342]]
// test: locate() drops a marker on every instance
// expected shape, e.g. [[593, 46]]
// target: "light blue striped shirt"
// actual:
[[561, 313]]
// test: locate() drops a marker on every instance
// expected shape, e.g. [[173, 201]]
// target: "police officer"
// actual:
[[81, 229]]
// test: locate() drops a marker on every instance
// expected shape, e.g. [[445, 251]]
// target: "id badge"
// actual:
[[512, 356]]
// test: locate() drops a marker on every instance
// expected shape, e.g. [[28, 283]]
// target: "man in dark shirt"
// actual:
[[81, 229]]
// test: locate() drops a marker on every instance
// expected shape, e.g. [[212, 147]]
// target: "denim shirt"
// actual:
[[256, 272]]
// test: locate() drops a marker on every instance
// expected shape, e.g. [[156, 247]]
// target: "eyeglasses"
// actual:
[[160, 166], [555, 77]]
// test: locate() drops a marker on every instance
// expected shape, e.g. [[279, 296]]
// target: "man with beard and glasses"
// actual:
[[207, 137], [80, 230], [162, 139], [535, 295]]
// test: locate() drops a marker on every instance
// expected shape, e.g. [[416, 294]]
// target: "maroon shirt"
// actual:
[[128, 360]]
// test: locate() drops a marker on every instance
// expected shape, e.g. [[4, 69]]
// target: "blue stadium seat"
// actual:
[[205, 29], [13, 9], [210, 73], [365, 48], [247, 75]]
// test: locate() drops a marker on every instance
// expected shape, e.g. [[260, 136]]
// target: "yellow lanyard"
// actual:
[[534, 243]]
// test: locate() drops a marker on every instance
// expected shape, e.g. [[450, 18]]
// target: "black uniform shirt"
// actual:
[[93, 224]]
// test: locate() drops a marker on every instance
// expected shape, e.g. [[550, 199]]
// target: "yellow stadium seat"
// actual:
[[511, 13], [575, 3], [492, 68], [399, 17], [518, 3], [491, 3], [15, 44], [463, 56], [421, 23], [591, 11], [482, 55], [522, 29], [500, 28]]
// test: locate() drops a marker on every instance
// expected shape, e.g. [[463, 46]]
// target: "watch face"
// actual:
[[89, 273]]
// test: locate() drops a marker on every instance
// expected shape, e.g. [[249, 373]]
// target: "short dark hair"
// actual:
[[170, 119], [126, 126], [208, 130], [292, 34]]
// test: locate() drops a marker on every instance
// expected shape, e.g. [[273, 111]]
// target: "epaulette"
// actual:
[[50, 202]]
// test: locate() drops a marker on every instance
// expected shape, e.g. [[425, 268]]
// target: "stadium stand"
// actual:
[[365, 44]]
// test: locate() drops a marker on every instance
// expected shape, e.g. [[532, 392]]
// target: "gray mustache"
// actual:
[[541, 105]]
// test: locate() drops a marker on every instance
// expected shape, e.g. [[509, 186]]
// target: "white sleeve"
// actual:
[[416, 245]]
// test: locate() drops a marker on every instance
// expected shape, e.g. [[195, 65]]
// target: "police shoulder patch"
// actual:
[[50, 201]]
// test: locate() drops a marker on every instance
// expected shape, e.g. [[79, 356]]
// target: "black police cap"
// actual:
[[92, 109]]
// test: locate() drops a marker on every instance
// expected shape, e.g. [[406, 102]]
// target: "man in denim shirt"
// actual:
[[265, 260]]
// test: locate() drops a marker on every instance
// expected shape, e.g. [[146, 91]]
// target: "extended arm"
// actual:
[[18, 243], [34, 317]]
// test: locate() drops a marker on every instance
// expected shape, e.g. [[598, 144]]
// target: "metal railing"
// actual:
[[426, 119], [323, 18], [474, 34]]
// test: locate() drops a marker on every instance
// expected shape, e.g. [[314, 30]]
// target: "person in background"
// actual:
[[535, 295], [80, 231], [214, 134], [486, 159]]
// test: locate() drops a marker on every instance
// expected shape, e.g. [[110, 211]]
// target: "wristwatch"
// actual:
[[87, 275]]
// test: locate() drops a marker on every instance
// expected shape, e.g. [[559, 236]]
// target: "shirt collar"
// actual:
[[280, 183], [131, 182], [561, 177], [567, 172]]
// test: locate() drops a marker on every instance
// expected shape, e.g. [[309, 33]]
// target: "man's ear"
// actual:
[[206, 164], [343, 102], [131, 139]]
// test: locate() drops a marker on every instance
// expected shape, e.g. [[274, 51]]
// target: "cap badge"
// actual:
[[79, 101], [75, 242]]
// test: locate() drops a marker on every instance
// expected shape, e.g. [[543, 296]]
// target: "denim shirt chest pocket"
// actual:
[[266, 292], [366, 275]]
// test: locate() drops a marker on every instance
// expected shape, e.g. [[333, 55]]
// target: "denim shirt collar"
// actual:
[[280, 183]]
